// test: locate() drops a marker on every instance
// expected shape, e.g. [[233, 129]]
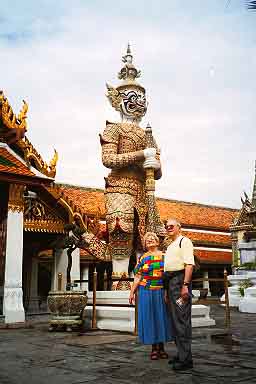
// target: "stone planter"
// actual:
[[248, 302], [252, 276], [66, 308], [235, 297]]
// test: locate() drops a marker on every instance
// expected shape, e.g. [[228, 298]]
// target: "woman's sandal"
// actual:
[[163, 355], [154, 355]]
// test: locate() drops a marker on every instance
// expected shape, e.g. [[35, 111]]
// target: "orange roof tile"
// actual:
[[91, 201], [10, 164], [214, 257], [194, 214], [207, 237]]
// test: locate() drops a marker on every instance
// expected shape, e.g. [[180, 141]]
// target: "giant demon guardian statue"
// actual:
[[133, 157]]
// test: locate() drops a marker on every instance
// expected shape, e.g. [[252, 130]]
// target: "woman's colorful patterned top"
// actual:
[[151, 268]]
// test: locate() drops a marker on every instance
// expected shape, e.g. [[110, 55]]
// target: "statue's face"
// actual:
[[134, 103]]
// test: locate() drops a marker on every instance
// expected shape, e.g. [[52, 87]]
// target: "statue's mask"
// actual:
[[133, 103]]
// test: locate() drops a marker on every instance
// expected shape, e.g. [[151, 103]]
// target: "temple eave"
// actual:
[[44, 226]]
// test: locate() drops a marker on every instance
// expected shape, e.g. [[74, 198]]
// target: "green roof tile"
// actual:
[[6, 162]]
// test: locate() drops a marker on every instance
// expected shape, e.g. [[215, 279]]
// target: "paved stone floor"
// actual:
[[35, 356]]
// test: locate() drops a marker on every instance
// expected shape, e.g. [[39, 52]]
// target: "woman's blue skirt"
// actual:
[[153, 319]]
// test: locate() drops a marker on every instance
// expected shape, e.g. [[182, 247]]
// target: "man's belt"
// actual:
[[174, 273]]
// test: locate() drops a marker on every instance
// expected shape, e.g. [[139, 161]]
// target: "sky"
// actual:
[[197, 60]]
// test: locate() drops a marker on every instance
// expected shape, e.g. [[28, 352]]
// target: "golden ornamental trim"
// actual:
[[47, 226], [9, 119], [16, 199], [32, 157], [114, 97]]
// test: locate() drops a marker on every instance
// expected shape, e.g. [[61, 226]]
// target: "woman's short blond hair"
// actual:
[[150, 234]]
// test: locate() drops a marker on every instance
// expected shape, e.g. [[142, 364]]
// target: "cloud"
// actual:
[[197, 66]]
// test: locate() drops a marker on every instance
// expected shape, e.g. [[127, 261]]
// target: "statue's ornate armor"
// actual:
[[122, 144]]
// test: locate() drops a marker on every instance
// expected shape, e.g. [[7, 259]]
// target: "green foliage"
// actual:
[[246, 283], [248, 266]]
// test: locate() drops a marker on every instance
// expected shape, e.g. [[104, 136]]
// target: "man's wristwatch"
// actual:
[[186, 284]]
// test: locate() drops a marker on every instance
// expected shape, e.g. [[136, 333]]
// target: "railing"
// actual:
[[38, 305]]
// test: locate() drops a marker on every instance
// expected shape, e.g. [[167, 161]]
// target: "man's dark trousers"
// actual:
[[180, 317]]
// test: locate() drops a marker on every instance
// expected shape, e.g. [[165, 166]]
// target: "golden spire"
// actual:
[[128, 73], [9, 119]]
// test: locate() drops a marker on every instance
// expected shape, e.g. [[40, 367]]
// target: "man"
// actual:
[[178, 267]]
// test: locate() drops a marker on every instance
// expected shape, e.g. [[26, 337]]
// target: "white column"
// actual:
[[13, 294], [206, 283], [60, 263], [85, 276], [75, 270]]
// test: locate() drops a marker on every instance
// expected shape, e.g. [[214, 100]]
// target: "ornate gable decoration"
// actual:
[[75, 213], [13, 132], [38, 217], [242, 221], [15, 126], [32, 157]]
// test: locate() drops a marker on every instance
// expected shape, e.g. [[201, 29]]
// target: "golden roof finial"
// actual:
[[9, 119]]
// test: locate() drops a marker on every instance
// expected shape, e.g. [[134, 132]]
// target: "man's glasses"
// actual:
[[170, 226]]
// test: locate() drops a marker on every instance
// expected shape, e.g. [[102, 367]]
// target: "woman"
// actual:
[[153, 322]]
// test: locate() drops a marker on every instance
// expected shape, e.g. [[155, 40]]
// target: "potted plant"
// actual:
[[243, 285]]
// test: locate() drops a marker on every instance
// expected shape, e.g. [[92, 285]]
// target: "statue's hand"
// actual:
[[149, 153], [152, 163]]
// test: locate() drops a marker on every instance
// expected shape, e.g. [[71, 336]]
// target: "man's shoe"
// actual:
[[173, 360], [182, 366]]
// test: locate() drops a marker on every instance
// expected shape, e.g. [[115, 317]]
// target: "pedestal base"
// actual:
[[201, 316], [13, 305], [234, 296], [65, 322], [123, 318], [248, 302]]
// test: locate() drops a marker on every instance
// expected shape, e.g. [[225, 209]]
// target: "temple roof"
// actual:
[[14, 168], [12, 133], [206, 225], [246, 219], [195, 215], [206, 238], [9, 163], [213, 257]]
